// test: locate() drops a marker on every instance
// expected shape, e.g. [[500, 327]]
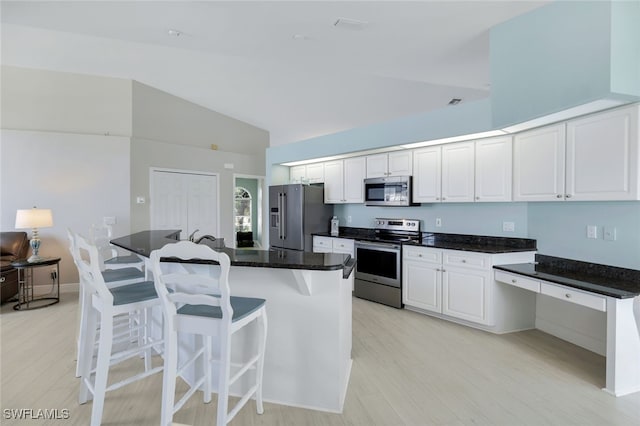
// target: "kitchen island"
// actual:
[[308, 354]]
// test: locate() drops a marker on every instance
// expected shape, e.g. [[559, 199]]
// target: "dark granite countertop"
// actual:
[[475, 243], [143, 243], [611, 281]]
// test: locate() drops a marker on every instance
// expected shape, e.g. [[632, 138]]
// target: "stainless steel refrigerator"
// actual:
[[295, 212]]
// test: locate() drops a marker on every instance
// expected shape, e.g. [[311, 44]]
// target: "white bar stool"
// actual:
[[198, 301], [112, 278], [104, 304]]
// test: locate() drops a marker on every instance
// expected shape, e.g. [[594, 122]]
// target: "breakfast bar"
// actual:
[[308, 354]]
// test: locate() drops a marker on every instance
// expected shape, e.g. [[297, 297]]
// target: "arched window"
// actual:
[[242, 209]]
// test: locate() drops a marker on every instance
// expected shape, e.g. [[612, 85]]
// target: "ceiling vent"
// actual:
[[349, 24]]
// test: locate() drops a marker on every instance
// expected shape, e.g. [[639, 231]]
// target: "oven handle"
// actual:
[[378, 246]]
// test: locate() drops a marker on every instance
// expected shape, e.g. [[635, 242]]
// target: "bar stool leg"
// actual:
[[102, 368], [262, 344], [169, 377]]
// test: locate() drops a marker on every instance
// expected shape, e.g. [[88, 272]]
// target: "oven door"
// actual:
[[378, 263]]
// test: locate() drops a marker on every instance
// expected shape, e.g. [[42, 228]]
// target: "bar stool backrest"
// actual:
[[177, 285], [87, 260]]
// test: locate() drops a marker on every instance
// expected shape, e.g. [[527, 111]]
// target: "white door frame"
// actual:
[[186, 172], [261, 206]]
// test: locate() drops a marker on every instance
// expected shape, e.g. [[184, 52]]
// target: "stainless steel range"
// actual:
[[378, 275]]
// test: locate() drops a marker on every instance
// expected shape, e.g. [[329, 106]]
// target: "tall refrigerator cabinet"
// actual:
[[295, 212]]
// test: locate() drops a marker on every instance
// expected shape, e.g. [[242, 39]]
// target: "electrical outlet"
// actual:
[[592, 231], [438, 222], [508, 226], [109, 220], [140, 200], [54, 274], [348, 219]]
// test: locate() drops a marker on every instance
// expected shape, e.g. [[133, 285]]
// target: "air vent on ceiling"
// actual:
[[349, 24]]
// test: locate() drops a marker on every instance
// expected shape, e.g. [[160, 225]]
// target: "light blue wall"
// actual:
[[456, 120], [457, 218], [560, 229], [550, 59], [625, 53]]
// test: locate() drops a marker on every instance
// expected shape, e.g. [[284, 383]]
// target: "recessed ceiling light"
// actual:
[[455, 101], [174, 33], [301, 37]]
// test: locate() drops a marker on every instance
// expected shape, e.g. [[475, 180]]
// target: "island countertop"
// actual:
[[144, 242]]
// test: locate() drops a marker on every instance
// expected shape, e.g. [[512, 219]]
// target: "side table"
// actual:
[[26, 299]]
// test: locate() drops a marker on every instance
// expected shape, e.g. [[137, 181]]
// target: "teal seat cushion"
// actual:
[[242, 306], [111, 275], [119, 260], [131, 293]]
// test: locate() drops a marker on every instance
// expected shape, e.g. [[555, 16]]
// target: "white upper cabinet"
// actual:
[[427, 166], [389, 164], [538, 164], [343, 181], [334, 182], [297, 174], [309, 173], [458, 175], [494, 169], [593, 158], [354, 173], [602, 156]]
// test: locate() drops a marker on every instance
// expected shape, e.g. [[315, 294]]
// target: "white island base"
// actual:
[[308, 353]]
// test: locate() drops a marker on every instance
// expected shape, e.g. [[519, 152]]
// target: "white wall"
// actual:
[[81, 178], [65, 102]]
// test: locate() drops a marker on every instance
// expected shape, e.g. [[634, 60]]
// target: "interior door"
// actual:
[[185, 201]]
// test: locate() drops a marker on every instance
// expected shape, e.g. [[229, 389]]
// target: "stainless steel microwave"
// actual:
[[388, 191]]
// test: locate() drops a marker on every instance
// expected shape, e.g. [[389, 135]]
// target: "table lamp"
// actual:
[[34, 218]]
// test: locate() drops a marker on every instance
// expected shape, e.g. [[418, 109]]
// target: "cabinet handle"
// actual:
[[463, 261], [443, 198], [568, 196], [3, 279], [437, 198], [477, 198], [419, 255], [443, 270], [559, 196], [568, 296]]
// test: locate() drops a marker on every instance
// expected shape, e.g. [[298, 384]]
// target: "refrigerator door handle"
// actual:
[[284, 216]]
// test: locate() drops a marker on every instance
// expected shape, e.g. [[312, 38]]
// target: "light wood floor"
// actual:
[[408, 369]]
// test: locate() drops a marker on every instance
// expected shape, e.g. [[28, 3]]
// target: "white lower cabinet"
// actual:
[[334, 245], [459, 285]]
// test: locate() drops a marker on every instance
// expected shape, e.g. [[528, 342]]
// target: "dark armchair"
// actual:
[[13, 246]]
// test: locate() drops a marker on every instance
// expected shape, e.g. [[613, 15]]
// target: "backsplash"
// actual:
[[455, 218]]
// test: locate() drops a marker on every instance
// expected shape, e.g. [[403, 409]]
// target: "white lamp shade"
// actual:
[[34, 218]]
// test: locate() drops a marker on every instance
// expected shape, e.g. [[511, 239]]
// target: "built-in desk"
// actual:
[[615, 291]]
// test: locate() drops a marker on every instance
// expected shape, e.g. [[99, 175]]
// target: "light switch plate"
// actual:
[[508, 226], [609, 233], [592, 231]]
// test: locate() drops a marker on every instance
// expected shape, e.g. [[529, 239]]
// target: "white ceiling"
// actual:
[[282, 66]]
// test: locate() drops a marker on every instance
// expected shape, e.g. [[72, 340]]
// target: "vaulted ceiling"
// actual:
[[298, 69]]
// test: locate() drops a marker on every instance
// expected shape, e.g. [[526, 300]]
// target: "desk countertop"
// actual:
[[610, 281]]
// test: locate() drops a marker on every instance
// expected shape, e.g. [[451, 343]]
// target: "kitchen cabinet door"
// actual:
[[334, 182], [602, 156], [297, 174], [538, 164], [466, 294], [493, 172], [458, 174], [354, 173], [377, 165], [315, 173], [427, 166], [422, 285], [400, 163]]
